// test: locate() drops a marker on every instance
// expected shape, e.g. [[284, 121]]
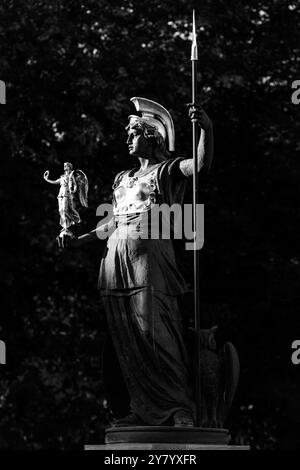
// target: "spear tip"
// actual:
[[194, 24], [194, 51]]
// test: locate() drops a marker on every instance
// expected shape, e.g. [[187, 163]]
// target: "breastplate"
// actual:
[[135, 194]]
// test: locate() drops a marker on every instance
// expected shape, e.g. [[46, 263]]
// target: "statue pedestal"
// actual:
[[165, 438], [161, 447], [166, 435]]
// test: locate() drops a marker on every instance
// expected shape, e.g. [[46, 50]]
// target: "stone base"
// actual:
[[161, 447], [160, 438], [166, 435]]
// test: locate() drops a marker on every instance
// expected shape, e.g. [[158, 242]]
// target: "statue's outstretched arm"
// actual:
[[65, 241], [100, 233], [205, 145], [46, 175]]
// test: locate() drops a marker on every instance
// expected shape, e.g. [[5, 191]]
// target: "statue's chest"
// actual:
[[135, 194], [64, 185]]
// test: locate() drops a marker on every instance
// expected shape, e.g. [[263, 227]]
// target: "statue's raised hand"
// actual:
[[46, 175], [197, 113]]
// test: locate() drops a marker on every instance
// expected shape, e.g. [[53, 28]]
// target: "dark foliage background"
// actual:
[[70, 68]]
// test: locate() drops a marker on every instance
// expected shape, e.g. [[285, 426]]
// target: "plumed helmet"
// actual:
[[156, 116]]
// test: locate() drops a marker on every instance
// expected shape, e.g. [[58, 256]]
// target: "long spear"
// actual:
[[194, 59]]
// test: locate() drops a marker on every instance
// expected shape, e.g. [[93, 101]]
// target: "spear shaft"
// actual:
[[194, 60]]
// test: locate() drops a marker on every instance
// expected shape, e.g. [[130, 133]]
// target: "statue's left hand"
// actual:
[[198, 114], [67, 242]]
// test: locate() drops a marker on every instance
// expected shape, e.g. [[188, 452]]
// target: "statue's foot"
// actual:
[[183, 418], [130, 420]]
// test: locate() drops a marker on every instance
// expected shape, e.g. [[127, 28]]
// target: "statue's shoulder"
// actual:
[[119, 176], [168, 166]]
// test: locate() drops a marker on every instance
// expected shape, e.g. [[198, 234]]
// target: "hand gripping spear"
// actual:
[[194, 59]]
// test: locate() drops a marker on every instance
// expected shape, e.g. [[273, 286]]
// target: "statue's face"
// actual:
[[138, 145], [67, 168]]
